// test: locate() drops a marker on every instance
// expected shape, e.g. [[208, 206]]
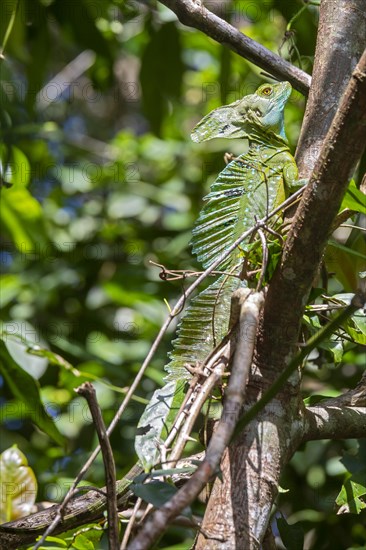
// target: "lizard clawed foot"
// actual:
[[197, 369], [228, 157]]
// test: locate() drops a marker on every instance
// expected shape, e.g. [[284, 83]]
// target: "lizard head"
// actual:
[[263, 110]]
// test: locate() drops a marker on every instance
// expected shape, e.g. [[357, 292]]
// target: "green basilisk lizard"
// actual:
[[249, 187]]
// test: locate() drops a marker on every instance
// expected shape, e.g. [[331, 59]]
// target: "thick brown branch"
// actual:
[[292, 280], [194, 14], [334, 422], [341, 41]]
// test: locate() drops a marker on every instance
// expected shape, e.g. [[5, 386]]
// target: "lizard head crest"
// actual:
[[262, 110]]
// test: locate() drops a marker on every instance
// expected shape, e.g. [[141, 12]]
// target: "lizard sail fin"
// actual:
[[248, 188], [202, 327], [236, 196]]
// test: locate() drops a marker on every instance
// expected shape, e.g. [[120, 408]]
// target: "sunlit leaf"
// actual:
[[354, 199], [21, 217], [82, 542], [18, 485], [61, 544], [18, 347], [350, 498], [15, 164]]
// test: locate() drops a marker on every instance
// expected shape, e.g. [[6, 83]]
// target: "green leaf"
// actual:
[[10, 285], [19, 348], [21, 217], [347, 249], [16, 166], [61, 544], [81, 542], [349, 497], [156, 419], [356, 324], [18, 485], [8, 14], [292, 535], [156, 493], [26, 389], [337, 349], [354, 199], [36, 350]]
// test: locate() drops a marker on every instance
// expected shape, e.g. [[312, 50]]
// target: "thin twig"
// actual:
[[351, 226], [177, 274], [248, 323], [218, 368], [9, 29], [265, 259], [176, 309], [87, 391], [131, 523]]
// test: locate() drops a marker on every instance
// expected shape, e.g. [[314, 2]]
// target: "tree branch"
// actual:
[[194, 14], [292, 280], [88, 392], [334, 422], [334, 61], [340, 417], [358, 301]]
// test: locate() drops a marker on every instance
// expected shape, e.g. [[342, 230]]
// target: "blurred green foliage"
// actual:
[[98, 100]]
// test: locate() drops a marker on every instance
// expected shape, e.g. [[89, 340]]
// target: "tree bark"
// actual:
[[340, 44]]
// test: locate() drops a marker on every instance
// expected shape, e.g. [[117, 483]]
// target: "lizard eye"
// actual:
[[267, 91]]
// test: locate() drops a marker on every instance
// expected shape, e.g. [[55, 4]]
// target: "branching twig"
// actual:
[[248, 323], [131, 523], [88, 392], [217, 367], [194, 14], [177, 274]]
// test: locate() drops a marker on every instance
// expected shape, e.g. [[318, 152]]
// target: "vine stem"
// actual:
[[9, 29]]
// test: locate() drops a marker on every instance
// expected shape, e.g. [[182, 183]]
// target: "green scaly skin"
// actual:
[[251, 185]]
